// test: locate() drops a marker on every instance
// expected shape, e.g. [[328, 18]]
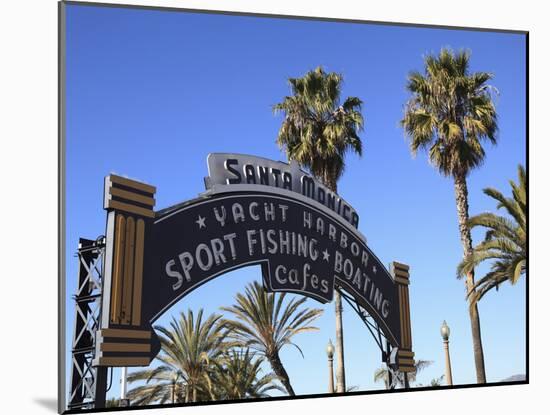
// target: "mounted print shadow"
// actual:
[[250, 277]]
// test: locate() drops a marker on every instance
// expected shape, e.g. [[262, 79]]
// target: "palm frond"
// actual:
[[505, 242], [318, 129], [450, 113], [190, 345], [264, 322]]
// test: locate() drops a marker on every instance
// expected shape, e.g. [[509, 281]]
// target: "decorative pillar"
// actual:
[[124, 339], [405, 355]]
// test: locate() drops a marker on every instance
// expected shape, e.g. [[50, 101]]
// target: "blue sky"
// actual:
[[151, 93]]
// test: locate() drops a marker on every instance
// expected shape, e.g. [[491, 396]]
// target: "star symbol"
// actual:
[[200, 222], [374, 269], [326, 255]]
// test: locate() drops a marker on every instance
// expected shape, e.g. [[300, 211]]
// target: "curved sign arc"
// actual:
[[254, 212], [301, 248]]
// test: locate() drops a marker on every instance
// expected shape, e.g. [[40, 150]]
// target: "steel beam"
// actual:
[[88, 384]]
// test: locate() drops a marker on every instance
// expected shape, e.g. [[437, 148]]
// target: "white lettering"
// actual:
[[385, 308], [220, 218], [186, 261], [230, 237], [251, 241], [283, 270], [174, 274], [238, 212], [217, 250], [252, 210], [205, 266]]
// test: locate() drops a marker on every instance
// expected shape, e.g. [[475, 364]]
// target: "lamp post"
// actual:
[[123, 388], [445, 333], [330, 355]]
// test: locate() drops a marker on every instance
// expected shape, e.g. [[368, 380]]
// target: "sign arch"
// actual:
[[305, 239]]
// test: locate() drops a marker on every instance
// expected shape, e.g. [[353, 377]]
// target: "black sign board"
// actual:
[[301, 247], [303, 238]]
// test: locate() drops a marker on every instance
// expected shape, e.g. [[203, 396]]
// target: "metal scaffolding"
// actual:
[[88, 384]]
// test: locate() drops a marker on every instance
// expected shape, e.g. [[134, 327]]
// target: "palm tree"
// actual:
[[505, 240], [164, 386], [317, 132], [189, 348], [435, 382], [450, 115], [265, 324], [383, 374], [237, 376]]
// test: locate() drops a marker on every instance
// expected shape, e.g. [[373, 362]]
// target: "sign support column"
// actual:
[[405, 355], [125, 339]]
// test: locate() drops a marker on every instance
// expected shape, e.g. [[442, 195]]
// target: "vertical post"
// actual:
[[82, 337], [406, 380], [123, 383], [405, 355], [330, 375], [100, 386], [61, 278], [85, 384], [340, 366], [387, 357], [445, 334], [330, 356], [448, 372]]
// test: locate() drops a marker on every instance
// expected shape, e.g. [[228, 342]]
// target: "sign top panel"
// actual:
[[228, 169]]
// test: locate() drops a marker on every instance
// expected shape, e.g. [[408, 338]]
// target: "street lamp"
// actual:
[[445, 333], [330, 355]]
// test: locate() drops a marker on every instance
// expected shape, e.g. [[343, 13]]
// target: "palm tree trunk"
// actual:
[[461, 195], [340, 370], [330, 182], [280, 371]]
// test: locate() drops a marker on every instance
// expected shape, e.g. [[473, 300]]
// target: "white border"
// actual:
[[29, 170]]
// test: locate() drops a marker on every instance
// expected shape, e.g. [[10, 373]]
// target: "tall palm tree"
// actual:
[[189, 348], [450, 115], [317, 132], [265, 323], [383, 374], [238, 376], [505, 240]]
